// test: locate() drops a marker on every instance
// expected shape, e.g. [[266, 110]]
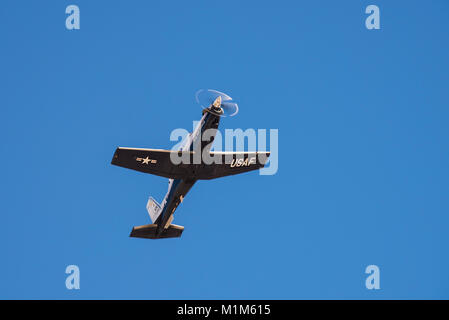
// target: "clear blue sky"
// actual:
[[363, 148]]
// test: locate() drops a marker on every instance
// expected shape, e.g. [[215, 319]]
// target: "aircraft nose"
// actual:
[[217, 102]]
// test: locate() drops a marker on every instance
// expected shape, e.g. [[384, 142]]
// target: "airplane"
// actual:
[[184, 175]]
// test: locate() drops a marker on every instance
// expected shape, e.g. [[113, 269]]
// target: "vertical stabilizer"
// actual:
[[154, 209]]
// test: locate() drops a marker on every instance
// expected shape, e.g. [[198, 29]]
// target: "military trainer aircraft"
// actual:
[[183, 174]]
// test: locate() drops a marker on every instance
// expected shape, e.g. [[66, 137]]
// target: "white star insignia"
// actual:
[[146, 160]]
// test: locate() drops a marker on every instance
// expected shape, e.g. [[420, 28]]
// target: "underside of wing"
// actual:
[[154, 161], [230, 163], [184, 164]]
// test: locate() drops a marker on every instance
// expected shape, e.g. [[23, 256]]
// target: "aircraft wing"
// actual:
[[153, 161], [232, 163], [158, 162]]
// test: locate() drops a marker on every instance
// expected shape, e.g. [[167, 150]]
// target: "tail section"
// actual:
[[148, 231]]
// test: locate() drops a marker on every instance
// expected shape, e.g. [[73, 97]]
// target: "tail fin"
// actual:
[[154, 209], [148, 231]]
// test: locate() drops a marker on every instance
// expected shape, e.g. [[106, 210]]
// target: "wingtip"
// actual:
[[115, 156]]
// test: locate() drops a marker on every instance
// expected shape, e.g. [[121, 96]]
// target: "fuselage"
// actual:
[[178, 188]]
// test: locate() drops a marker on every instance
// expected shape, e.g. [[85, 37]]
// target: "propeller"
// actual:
[[216, 102]]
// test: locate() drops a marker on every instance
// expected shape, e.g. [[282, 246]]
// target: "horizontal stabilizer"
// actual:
[[148, 231]]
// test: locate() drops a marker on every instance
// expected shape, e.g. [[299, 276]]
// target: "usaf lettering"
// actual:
[[241, 163]]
